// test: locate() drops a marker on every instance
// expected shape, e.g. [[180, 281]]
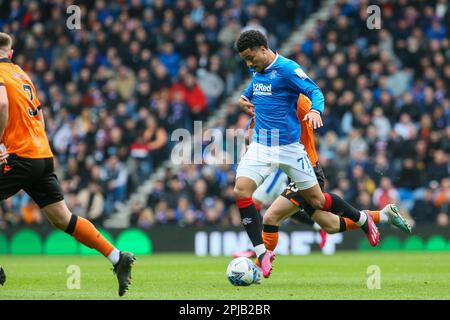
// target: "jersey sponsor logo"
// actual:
[[246, 221], [19, 76], [262, 89], [301, 73]]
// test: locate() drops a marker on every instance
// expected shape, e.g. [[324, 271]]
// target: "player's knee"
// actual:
[[58, 223], [270, 219], [330, 229], [59, 220], [317, 201], [241, 192]]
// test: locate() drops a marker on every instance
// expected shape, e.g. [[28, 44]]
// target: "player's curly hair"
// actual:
[[250, 39]]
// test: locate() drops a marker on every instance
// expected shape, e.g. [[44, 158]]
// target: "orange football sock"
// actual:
[[375, 215], [270, 240], [87, 234], [350, 225]]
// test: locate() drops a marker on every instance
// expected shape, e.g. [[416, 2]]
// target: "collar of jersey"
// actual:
[[273, 62], [5, 60]]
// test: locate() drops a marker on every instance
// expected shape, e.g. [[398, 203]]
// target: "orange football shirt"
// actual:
[[24, 134], [307, 135]]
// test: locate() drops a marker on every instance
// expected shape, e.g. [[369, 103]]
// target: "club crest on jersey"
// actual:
[[262, 89], [273, 74]]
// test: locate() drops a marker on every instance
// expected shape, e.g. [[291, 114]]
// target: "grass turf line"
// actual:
[[186, 277]]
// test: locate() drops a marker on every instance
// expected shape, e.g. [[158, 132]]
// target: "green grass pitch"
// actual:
[[186, 277]]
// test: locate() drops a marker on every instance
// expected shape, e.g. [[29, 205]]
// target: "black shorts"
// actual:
[[292, 194], [35, 176]]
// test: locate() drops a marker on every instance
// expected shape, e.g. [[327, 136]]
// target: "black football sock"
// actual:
[[302, 217], [342, 225], [252, 222], [337, 205]]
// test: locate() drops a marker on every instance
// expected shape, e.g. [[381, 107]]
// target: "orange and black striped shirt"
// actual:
[[24, 133], [307, 133]]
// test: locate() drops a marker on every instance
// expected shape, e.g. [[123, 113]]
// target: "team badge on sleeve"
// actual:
[[301, 73]]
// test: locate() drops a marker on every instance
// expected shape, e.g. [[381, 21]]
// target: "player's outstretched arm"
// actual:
[[302, 84]]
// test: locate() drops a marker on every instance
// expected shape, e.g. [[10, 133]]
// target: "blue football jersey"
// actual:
[[274, 92]]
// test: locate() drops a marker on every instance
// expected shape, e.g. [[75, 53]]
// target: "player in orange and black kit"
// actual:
[[27, 163], [330, 222]]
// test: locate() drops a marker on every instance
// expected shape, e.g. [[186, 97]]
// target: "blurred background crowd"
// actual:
[[114, 91]]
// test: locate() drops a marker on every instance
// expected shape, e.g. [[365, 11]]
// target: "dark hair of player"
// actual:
[[5, 41], [251, 39]]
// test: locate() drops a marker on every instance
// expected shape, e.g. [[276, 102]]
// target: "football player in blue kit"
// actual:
[[271, 97]]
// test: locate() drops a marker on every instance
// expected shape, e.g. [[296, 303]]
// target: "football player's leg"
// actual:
[[302, 217], [330, 222], [47, 193], [262, 197], [86, 233], [250, 217], [279, 210], [333, 203], [291, 194], [300, 170], [389, 214], [258, 200], [351, 225], [253, 169], [80, 228]]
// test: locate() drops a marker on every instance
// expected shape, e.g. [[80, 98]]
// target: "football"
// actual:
[[243, 272]]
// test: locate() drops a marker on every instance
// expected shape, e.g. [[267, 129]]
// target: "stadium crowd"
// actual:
[[113, 90], [387, 120]]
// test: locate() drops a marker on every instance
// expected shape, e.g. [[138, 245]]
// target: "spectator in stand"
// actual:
[[193, 95], [424, 210], [114, 176], [385, 194], [134, 69]]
